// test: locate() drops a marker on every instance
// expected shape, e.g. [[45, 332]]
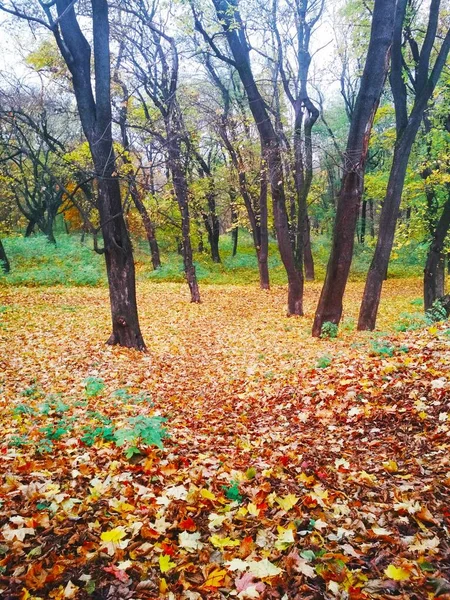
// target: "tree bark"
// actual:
[[362, 236], [308, 257], [374, 75], [4, 262]]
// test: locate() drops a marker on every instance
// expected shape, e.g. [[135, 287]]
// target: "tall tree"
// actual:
[[95, 113], [423, 77], [303, 16], [229, 17], [329, 308]]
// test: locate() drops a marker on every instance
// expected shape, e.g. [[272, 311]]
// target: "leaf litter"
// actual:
[[225, 463]]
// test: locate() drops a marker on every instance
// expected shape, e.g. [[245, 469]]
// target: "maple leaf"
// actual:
[[247, 587], [190, 541], [10, 533], [114, 539], [215, 578], [219, 542], [287, 502], [397, 573], [165, 564]]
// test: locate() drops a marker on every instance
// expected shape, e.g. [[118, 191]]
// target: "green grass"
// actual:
[[35, 262]]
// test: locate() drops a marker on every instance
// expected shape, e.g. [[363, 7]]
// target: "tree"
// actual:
[[153, 58], [423, 77], [229, 17], [329, 308], [96, 120], [303, 15]]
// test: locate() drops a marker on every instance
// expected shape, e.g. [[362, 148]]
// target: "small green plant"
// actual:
[[18, 441], [383, 347], [410, 322], [22, 409], [348, 324], [329, 330], [44, 446], [417, 302], [143, 431], [232, 492], [93, 386], [437, 312], [92, 434], [323, 362]]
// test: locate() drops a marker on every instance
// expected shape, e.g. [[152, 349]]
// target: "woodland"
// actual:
[[224, 326]]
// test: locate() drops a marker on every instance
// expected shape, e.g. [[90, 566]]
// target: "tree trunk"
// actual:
[[263, 246], [374, 75], [30, 228], [96, 118], [308, 257], [372, 219], [149, 230], [234, 222], [388, 221], [181, 193], [270, 148], [362, 236], [4, 262], [434, 272]]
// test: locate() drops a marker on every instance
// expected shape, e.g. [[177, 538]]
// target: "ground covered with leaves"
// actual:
[[238, 458]]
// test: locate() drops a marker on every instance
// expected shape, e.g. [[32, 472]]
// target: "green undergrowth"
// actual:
[[36, 262]]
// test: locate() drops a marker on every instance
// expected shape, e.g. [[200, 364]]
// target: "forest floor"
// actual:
[[293, 468]]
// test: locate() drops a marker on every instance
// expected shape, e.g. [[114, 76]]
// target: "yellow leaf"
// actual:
[[391, 466], [114, 535], [165, 564], [287, 502], [215, 578], [253, 509], [396, 573], [219, 542], [163, 586], [207, 494]]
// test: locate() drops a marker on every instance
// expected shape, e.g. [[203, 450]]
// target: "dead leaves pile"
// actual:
[[285, 476]]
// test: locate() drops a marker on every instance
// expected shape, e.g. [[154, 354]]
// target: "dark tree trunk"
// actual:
[[134, 192], [362, 236], [263, 246], [181, 194], [407, 128], [234, 222], [4, 262], [30, 228], [96, 117], [372, 219], [434, 273], [308, 257], [270, 148], [375, 70]]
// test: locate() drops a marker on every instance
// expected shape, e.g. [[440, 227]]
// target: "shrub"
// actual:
[[329, 330]]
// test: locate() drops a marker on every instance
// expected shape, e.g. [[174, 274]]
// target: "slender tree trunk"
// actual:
[[388, 221], [263, 248], [149, 229], [234, 221], [270, 148], [308, 257], [362, 236], [4, 262], [434, 272], [30, 228], [372, 219], [181, 193], [375, 70]]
